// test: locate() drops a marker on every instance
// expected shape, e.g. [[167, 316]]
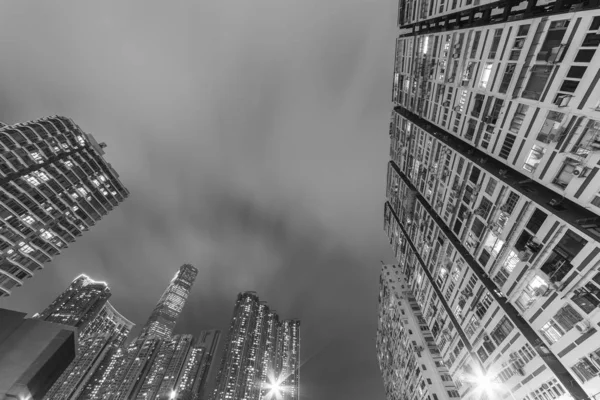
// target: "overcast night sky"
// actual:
[[252, 135]]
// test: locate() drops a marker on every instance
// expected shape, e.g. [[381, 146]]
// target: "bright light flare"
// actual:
[[173, 395]]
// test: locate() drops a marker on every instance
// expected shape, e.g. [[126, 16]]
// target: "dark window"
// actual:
[[591, 40], [483, 355], [525, 237], [523, 30], [511, 202], [477, 227], [475, 43], [569, 86], [470, 129], [479, 98], [576, 72], [587, 298], [595, 24], [502, 330], [508, 74], [484, 207], [558, 264], [507, 146], [584, 55], [457, 226], [536, 221], [475, 172], [484, 258]]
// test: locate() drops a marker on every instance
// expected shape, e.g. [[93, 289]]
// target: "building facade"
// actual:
[[409, 359], [493, 207], [157, 364], [164, 316], [79, 304], [33, 354], [261, 357], [55, 185]]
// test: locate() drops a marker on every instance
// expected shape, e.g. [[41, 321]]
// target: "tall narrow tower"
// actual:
[[262, 354], [54, 185], [164, 317]]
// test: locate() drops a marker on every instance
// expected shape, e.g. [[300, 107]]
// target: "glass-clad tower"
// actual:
[[164, 317], [261, 356], [54, 185], [493, 192]]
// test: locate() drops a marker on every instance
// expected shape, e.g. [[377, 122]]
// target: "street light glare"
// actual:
[[484, 382], [173, 395]]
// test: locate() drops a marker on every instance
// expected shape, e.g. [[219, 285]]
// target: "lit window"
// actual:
[[68, 163], [31, 180], [75, 195], [42, 175], [535, 157], [102, 178], [485, 75], [96, 182], [47, 235], [36, 156], [25, 248], [80, 140], [28, 219]]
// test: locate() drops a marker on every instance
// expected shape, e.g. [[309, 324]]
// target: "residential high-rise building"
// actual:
[[164, 317], [55, 185], [409, 358], [33, 354], [84, 305], [261, 356], [492, 192], [97, 341], [79, 304]]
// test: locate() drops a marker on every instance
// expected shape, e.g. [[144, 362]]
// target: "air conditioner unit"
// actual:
[[580, 171], [583, 326]]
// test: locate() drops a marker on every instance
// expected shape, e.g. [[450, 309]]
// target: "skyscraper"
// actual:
[[55, 185], [164, 317], [84, 305], [492, 192], [262, 355], [409, 359], [79, 304], [158, 364]]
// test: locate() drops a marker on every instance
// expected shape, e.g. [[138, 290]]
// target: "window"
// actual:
[[569, 86], [536, 154], [585, 369], [552, 332], [484, 208], [485, 75], [576, 72], [511, 202], [491, 186], [31, 180], [495, 43], [535, 289], [585, 55], [588, 297], [567, 317], [477, 227], [475, 44], [551, 46], [479, 98], [558, 264], [509, 140], [493, 244], [536, 221], [537, 82], [565, 175], [549, 390], [483, 305], [507, 77], [493, 117], [502, 330]]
